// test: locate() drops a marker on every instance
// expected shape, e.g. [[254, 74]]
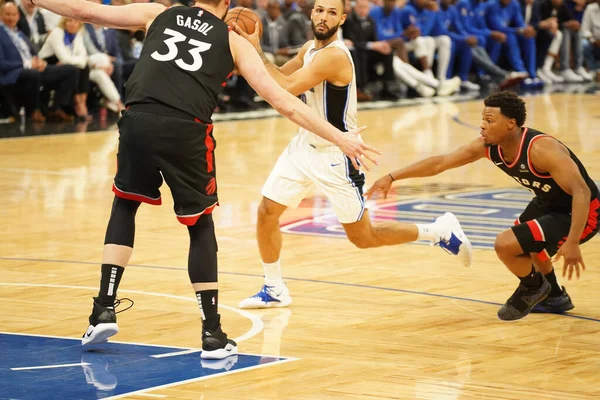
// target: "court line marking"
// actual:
[[257, 324], [358, 285], [202, 378], [176, 353], [78, 340], [143, 391], [51, 366]]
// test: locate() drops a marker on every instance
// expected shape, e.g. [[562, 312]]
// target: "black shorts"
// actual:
[[156, 142], [543, 232]]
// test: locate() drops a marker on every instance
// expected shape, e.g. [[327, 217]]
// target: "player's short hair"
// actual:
[[510, 105], [210, 2]]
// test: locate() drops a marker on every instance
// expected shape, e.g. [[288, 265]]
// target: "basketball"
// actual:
[[245, 18]]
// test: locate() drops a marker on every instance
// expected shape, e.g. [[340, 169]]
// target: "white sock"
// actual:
[[273, 274], [427, 231]]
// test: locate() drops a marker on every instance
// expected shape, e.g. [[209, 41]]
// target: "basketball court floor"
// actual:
[[404, 322]]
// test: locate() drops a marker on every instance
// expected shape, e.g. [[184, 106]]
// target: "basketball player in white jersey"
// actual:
[[322, 73]]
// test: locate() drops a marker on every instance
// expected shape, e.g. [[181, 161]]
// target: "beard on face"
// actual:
[[324, 35]]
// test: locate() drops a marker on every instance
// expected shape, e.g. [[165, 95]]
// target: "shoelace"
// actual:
[[118, 303], [264, 294]]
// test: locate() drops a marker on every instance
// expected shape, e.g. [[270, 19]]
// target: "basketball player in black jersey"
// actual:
[[563, 213], [167, 133]]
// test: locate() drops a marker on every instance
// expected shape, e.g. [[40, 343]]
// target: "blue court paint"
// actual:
[[111, 369], [482, 214]]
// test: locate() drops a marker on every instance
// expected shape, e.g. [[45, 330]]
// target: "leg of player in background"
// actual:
[[274, 292], [445, 231]]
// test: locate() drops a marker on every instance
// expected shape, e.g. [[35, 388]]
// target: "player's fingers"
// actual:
[[371, 149], [557, 256], [582, 263], [370, 158], [385, 192], [570, 267], [364, 164], [238, 30], [577, 272], [355, 163]]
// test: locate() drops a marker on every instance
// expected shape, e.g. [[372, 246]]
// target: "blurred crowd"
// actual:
[[55, 68]]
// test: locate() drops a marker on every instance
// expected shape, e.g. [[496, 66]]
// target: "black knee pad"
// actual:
[[202, 261], [121, 226]]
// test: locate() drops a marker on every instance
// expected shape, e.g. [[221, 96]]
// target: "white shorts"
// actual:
[[301, 166]]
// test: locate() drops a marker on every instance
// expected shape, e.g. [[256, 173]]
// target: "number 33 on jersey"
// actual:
[[186, 47]]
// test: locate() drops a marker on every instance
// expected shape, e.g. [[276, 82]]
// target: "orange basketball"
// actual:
[[245, 18]]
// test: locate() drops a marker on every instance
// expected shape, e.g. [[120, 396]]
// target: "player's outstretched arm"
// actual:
[[431, 166], [548, 155], [280, 74], [249, 64], [131, 16]]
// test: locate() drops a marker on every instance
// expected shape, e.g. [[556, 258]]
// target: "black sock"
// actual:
[[556, 288], [109, 283], [208, 300], [532, 280]]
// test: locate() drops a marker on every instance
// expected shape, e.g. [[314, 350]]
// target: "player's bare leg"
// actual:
[[274, 292], [445, 231], [558, 301], [533, 288]]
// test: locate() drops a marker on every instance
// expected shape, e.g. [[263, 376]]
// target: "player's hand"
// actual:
[[571, 254], [382, 184], [352, 145], [253, 39]]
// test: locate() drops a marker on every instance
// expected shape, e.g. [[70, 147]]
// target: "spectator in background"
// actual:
[[65, 45], [261, 8], [360, 34], [388, 21], [423, 14], [471, 16], [452, 18], [23, 73], [572, 42], [299, 29], [462, 42], [32, 24], [507, 16], [549, 38], [288, 7], [590, 30], [274, 41]]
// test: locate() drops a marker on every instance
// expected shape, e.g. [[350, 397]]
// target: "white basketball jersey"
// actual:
[[336, 104]]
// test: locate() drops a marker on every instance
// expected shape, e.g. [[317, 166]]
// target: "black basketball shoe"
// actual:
[[103, 323], [555, 304], [523, 300], [215, 345]]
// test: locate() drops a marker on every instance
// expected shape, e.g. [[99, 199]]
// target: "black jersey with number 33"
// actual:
[[184, 62], [550, 195]]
